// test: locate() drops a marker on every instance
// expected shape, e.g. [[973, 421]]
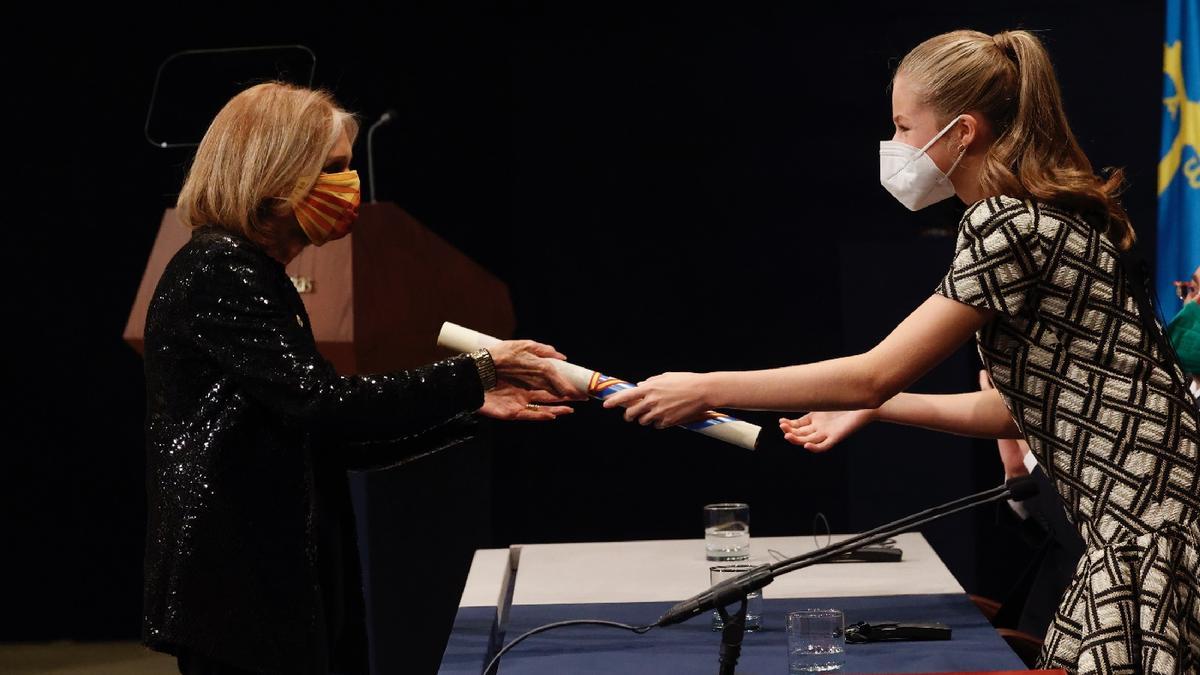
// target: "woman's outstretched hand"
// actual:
[[820, 431], [530, 365], [663, 400], [510, 402]]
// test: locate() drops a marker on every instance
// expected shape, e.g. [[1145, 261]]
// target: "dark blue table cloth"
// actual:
[[692, 647], [473, 640]]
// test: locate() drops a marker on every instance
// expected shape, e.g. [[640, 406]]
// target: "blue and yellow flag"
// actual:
[[1179, 168]]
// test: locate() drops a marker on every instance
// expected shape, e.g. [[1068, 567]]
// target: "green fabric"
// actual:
[[1184, 332]]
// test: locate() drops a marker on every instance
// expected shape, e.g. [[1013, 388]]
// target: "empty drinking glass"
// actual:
[[816, 640]]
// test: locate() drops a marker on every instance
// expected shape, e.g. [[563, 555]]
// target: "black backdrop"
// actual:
[[662, 188]]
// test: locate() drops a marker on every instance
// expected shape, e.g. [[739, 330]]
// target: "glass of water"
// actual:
[[754, 600], [727, 532], [816, 640]]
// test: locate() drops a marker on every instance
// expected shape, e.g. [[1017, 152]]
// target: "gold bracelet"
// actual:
[[486, 368]]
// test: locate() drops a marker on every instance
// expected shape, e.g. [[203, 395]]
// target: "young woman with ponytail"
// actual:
[[1081, 370]]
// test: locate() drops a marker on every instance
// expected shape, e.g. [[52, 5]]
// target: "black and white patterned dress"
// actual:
[[1112, 425]]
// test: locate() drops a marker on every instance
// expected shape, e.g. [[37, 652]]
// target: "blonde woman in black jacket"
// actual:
[[243, 413]]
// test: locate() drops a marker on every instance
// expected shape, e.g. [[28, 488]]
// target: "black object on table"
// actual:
[[891, 631]]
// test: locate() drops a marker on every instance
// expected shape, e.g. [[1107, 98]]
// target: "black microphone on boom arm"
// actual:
[[726, 592], [735, 590]]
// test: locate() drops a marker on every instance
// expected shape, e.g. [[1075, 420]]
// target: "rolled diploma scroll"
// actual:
[[714, 424]]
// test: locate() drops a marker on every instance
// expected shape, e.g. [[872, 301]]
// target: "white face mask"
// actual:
[[911, 176]]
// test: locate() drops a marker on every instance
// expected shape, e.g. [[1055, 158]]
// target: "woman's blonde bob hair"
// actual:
[[1009, 80], [261, 154]]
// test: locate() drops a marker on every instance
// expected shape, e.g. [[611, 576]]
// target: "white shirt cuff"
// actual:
[[1019, 507]]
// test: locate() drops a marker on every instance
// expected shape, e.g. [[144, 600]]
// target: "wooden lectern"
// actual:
[[376, 298]]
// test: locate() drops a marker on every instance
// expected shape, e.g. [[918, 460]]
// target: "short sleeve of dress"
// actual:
[[997, 261]]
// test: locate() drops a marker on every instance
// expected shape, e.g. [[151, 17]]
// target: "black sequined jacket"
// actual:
[[243, 419]]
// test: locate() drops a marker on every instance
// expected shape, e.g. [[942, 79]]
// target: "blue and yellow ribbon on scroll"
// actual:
[[602, 386]]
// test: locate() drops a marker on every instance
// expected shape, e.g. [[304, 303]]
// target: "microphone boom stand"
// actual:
[[724, 594], [731, 637]]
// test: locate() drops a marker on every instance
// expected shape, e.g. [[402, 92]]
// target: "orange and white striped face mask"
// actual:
[[331, 207]]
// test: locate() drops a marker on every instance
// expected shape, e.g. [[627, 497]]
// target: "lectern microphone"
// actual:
[[386, 117]]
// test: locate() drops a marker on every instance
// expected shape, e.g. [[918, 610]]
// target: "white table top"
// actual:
[[488, 578], [657, 571]]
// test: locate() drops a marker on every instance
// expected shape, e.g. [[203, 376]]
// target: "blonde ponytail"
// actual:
[[1008, 78]]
